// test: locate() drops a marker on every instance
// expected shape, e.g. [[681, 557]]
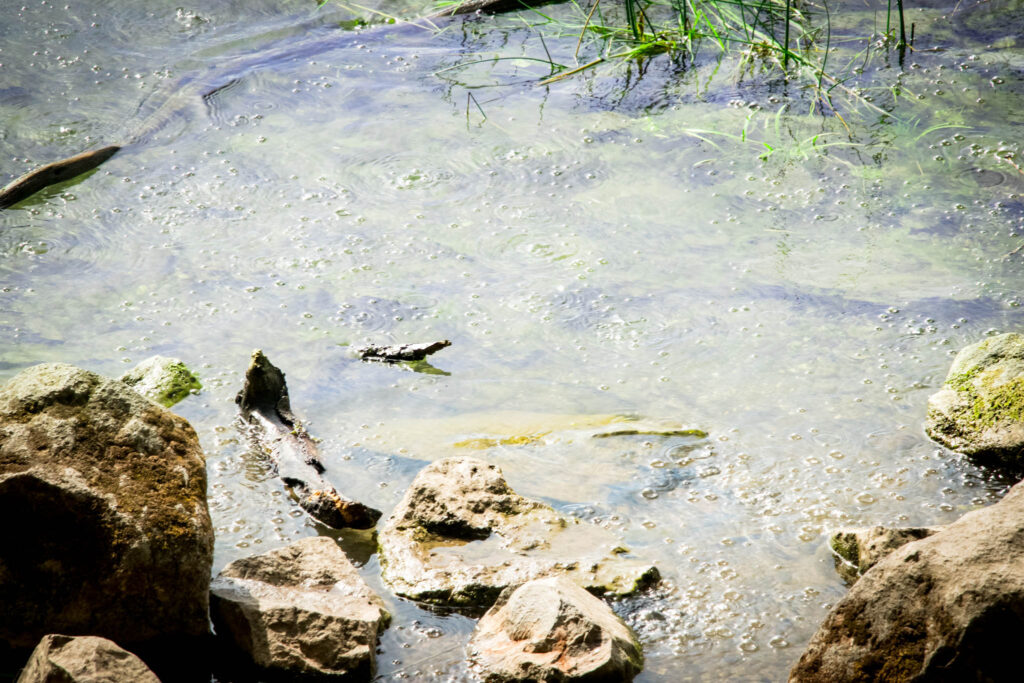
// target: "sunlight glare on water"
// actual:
[[595, 253]]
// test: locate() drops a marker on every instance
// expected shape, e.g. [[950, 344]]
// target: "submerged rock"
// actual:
[[859, 549], [107, 530], [165, 380], [980, 409], [553, 630], [302, 609], [461, 535], [945, 608], [83, 659]]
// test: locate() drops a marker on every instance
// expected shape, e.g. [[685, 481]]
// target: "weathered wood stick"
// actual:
[[264, 403], [401, 353], [53, 173]]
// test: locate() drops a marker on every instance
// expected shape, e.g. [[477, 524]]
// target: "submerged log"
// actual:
[[264, 403], [401, 353], [53, 173]]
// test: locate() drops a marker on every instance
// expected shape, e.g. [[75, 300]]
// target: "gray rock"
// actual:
[[949, 607], [108, 531], [302, 609], [83, 659], [553, 630], [859, 549], [165, 380], [980, 409], [461, 535]]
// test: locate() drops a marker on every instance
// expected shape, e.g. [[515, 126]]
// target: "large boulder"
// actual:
[[948, 607], [553, 630], [83, 659], [302, 609], [106, 530], [980, 409], [461, 535], [858, 549]]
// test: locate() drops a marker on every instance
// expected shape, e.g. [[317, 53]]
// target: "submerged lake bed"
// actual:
[[686, 242]]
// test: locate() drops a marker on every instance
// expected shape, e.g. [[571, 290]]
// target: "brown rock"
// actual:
[[461, 535], [83, 659], [553, 630], [108, 531], [302, 609], [949, 607]]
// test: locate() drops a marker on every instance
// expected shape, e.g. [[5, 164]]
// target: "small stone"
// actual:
[[83, 659], [553, 630], [165, 380], [302, 609], [859, 549]]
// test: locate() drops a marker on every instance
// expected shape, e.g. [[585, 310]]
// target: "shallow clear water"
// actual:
[[607, 245]]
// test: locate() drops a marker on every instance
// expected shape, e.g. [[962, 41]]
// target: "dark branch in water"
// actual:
[[482, 6], [53, 173], [401, 353], [264, 404]]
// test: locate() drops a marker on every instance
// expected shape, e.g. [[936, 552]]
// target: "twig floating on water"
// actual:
[[401, 353]]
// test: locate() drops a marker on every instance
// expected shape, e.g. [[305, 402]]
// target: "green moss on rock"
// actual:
[[980, 409]]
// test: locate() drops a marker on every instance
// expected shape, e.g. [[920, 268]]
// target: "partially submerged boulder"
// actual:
[[165, 380], [107, 530], [553, 630], [83, 659], [461, 535], [948, 607], [980, 409], [302, 609], [858, 549]]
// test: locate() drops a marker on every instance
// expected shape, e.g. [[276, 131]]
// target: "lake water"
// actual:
[[663, 240]]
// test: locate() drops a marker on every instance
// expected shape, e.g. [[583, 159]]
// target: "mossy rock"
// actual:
[[980, 409], [165, 380]]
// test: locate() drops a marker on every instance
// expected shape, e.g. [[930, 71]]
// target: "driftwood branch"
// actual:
[[401, 353], [264, 404], [53, 173]]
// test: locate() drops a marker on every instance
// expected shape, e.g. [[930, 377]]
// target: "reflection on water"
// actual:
[[602, 247]]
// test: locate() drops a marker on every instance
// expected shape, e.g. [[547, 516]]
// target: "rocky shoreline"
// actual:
[[108, 577], [106, 568]]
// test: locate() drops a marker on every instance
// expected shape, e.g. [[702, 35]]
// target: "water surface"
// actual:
[[622, 243]]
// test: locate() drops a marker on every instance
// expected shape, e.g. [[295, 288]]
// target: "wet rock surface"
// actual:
[[944, 608], [553, 630], [83, 659], [109, 531], [980, 409], [461, 535], [302, 609], [859, 549]]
